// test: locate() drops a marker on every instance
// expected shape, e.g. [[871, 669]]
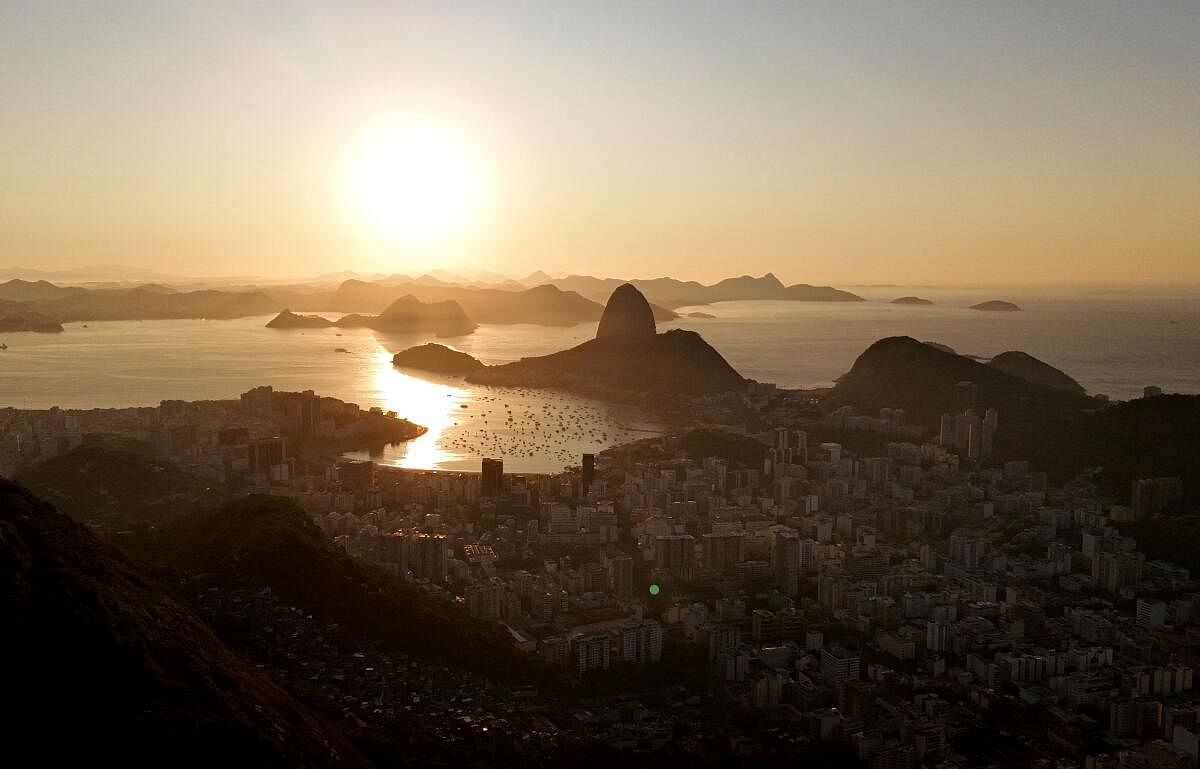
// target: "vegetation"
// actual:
[[137, 677], [265, 541], [114, 487]]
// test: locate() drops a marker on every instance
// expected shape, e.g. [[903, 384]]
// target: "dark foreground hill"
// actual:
[[268, 542], [108, 669], [1143, 438], [112, 488]]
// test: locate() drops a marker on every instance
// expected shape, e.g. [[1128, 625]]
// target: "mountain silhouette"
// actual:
[[115, 671], [625, 357]]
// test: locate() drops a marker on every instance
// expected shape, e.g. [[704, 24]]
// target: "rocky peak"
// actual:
[[627, 316]]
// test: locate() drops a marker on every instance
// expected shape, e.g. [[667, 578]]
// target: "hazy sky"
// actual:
[[836, 142]]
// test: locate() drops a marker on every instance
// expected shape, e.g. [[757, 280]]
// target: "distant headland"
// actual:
[[626, 357], [406, 314]]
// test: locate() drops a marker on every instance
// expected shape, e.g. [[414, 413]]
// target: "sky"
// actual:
[[840, 143]]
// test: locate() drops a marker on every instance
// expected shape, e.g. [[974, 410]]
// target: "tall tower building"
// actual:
[[493, 478], [787, 562], [589, 472], [620, 576], [722, 552], [428, 557], [966, 396]]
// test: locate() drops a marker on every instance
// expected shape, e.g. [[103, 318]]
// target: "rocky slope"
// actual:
[[902, 372], [625, 357], [1029, 368], [115, 671]]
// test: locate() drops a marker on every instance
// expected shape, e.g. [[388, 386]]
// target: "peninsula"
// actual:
[[627, 357]]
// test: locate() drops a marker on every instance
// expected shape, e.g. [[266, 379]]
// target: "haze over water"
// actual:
[[1112, 345]]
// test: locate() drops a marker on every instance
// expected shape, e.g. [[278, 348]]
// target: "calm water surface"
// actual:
[[1112, 345]]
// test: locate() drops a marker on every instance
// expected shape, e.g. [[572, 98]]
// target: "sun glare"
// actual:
[[415, 182]]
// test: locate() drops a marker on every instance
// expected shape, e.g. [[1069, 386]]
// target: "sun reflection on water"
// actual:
[[430, 404], [531, 430]]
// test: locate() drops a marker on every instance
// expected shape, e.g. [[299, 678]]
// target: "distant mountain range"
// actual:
[[543, 305], [485, 297], [673, 293]]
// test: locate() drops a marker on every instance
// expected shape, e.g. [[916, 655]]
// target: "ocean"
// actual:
[[1111, 344]]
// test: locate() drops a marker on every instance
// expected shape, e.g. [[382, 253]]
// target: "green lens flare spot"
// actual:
[[655, 590]]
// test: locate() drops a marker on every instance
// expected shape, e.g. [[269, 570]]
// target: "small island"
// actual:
[[289, 319], [996, 305], [701, 315], [913, 300], [436, 358]]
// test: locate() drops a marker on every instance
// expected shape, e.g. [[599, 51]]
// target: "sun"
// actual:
[[413, 181]]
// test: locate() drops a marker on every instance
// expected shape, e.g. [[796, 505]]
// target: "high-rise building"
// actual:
[[257, 401], [809, 558], [642, 642], [786, 562], [938, 636], [589, 472], [1151, 614], [1151, 495], [620, 576], [266, 453], [968, 551], [674, 552], [590, 652], [991, 420], [966, 397], [493, 478], [946, 433], [483, 600], [838, 665], [428, 557], [356, 475], [1113, 572], [722, 552]]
